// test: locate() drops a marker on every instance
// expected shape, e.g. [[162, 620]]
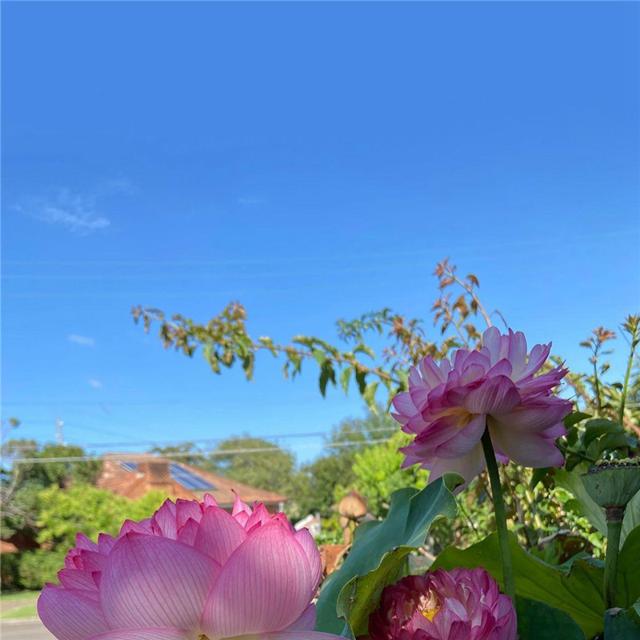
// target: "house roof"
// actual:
[[7, 547], [134, 475]]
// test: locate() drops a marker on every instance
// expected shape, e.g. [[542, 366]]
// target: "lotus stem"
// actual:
[[501, 515], [614, 529], [625, 385]]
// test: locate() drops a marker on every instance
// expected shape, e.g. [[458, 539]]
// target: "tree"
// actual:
[[319, 480], [31, 471], [377, 473], [224, 341], [254, 461], [182, 452]]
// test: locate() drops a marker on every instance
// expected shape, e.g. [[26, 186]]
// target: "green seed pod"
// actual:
[[613, 483]]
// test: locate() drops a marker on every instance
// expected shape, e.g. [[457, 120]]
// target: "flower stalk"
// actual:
[[615, 516], [501, 515], [612, 485]]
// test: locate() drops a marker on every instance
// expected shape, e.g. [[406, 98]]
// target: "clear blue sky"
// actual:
[[312, 161]]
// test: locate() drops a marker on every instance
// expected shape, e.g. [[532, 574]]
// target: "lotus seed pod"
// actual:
[[613, 483]]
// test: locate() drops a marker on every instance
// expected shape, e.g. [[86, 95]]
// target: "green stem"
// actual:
[[625, 386], [501, 515], [614, 529], [596, 385]]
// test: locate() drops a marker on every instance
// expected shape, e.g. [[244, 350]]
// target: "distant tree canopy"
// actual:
[[378, 473], [317, 481], [268, 466], [21, 483], [311, 487], [182, 452]]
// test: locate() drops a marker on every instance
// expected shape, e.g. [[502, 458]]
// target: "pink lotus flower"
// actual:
[[191, 572], [449, 405], [462, 604]]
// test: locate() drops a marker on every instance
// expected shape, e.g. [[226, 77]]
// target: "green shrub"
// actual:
[[9, 571], [39, 567], [89, 510]]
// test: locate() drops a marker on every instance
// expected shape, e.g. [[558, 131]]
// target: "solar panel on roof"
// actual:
[[129, 466], [188, 479]]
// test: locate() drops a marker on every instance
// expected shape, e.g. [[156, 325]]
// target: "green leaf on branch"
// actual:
[[598, 427], [327, 374], [345, 378], [574, 418], [363, 348], [361, 379], [320, 356], [410, 515], [369, 396], [576, 590], [539, 621], [612, 441]]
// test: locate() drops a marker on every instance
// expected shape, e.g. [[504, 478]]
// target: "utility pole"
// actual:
[[59, 431]]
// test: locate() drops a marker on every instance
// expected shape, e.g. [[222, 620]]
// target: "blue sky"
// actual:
[[312, 160]]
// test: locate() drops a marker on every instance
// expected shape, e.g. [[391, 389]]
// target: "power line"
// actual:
[[125, 457], [214, 441]]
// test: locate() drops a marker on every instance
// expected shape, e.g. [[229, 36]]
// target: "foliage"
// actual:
[[331, 532], [622, 625], [576, 591], [539, 621], [575, 587], [89, 510], [225, 340], [31, 471], [268, 466], [410, 516], [558, 584], [606, 427], [183, 452], [319, 483], [9, 571], [610, 400], [39, 567], [377, 473]]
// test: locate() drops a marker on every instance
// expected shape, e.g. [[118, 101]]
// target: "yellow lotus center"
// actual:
[[462, 415], [429, 605]]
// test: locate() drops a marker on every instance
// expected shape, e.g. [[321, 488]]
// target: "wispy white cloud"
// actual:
[[80, 213], [76, 212], [94, 383], [83, 341]]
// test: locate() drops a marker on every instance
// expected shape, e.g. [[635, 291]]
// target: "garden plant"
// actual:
[[513, 445]]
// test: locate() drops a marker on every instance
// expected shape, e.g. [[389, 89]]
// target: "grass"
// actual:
[[20, 613], [18, 605]]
